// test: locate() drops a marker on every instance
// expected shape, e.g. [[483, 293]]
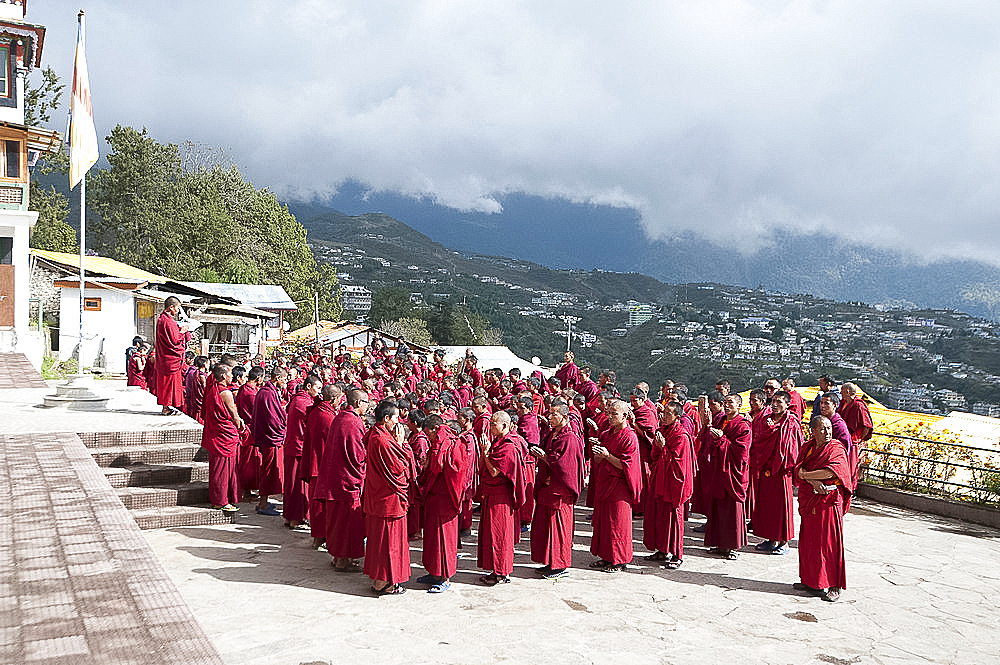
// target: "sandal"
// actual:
[[656, 556], [673, 564], [390, 590], [732, 555], [616, 568], [600, 563], [352, 567], [831, 595], [440, 587]]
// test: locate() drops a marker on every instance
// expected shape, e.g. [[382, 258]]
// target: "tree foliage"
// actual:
[[204, 224], [51, 230], [390, 304]]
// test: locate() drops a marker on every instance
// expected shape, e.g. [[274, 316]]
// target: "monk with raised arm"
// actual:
[[773, 457], [671, 484], [501, 486], [726, 454]]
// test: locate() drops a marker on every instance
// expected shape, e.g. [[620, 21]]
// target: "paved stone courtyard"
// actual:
[[922, 589]]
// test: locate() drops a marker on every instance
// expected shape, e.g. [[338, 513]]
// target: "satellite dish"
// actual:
[[536, 361]]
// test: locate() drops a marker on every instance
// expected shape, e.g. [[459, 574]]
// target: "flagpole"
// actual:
[[83, 253]]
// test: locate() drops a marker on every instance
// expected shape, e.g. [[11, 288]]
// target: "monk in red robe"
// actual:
[[135, 370], [318, 422], [824, 480], [444, 484], [557, 488], [295, 490], [195, 380], [617, 482], [339, 482], [269, 424], [466, 416], [529, 430], [797, 405], [419, 446], [388, 474], [858, 419], [501, 486], [569, 373], [726, 455], [221, 437], [671, 484], [248, 456], [773, 457], [646, 420], [171, 341]]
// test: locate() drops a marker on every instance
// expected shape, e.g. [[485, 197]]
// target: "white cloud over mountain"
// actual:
[[742, 120]]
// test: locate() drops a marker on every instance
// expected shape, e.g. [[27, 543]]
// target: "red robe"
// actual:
[[671, 484], [727, 475], [797, 405], [647, 421], [772, 460], [616, 491], [169, 360], [557, 487], [318, 421], [221, 439], [269, 424], [471, 491], [134, 374], [527, 427], [568, 375], [821, 531], [248, 456], [339, 479], [757, 426], [419, 446], [296, 498], [388, 474], [859, 423], [447, 469], [502, 495]]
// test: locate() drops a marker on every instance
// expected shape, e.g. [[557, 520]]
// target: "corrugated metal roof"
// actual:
[[98, 265], [262, 296]]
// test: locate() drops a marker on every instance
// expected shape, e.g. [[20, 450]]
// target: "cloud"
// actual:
[[879, 122]]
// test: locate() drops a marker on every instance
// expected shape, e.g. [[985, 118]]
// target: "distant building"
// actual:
[[984, 409], [639, 313], [355, 298]]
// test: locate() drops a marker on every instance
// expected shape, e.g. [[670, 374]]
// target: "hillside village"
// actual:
[[932, 361]]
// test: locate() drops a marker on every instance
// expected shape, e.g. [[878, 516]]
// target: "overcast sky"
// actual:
[[879, 120]]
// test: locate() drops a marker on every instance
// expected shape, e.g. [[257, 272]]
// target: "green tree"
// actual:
[[455, 325], [51, 230], [204, 224], [390, 304], [411, 328]]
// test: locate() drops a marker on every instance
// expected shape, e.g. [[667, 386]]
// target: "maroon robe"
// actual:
[[568, 375], [671, 484], [295, 489], [468, 439], [133, 373], [527, 427], [616, 491], [221, 439], [557, 487], [388, 474], [772, 460], [419, 445], [269, 424], [797, 405], [859, 423], [318, 421], [169, 360], [339, 480], [821, 531], [248, 456], [194, 394], [447, 469], [647, 421], [502, 495], [758, 424], [727, 475]]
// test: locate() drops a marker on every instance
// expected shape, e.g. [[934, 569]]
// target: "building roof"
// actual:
[[261, 296], [97, 265]]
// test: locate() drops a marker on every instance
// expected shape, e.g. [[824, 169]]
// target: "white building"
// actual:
[[355, 298]]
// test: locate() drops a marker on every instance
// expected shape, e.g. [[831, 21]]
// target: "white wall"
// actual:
[[114, 325]]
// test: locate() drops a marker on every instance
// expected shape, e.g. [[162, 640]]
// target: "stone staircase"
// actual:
[[160, 475]]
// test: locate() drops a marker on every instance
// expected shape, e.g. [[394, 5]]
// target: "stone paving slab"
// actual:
[[922, 590], [82, 585]]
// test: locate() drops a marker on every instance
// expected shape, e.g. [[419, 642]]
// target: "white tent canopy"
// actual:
[[492, 356]]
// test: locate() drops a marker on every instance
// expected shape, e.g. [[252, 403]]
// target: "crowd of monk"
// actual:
[[371, 452]]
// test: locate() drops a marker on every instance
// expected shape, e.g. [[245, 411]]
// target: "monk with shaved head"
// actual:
[[502, 487]]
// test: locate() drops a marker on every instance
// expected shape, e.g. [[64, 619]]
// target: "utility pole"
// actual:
[[316, 318]]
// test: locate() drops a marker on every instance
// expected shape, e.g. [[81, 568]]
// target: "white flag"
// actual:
[[82, 134]]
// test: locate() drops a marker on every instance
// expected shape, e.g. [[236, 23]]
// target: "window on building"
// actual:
[[92, 304], [6, 251], [5, 70], [12, 159]]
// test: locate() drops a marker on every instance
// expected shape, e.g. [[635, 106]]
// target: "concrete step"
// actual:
[[185, 494], [146, 475], [158, 454], [162, 518], [185, 434]]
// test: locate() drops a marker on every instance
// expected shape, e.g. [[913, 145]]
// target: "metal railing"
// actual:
[[953, 470]]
